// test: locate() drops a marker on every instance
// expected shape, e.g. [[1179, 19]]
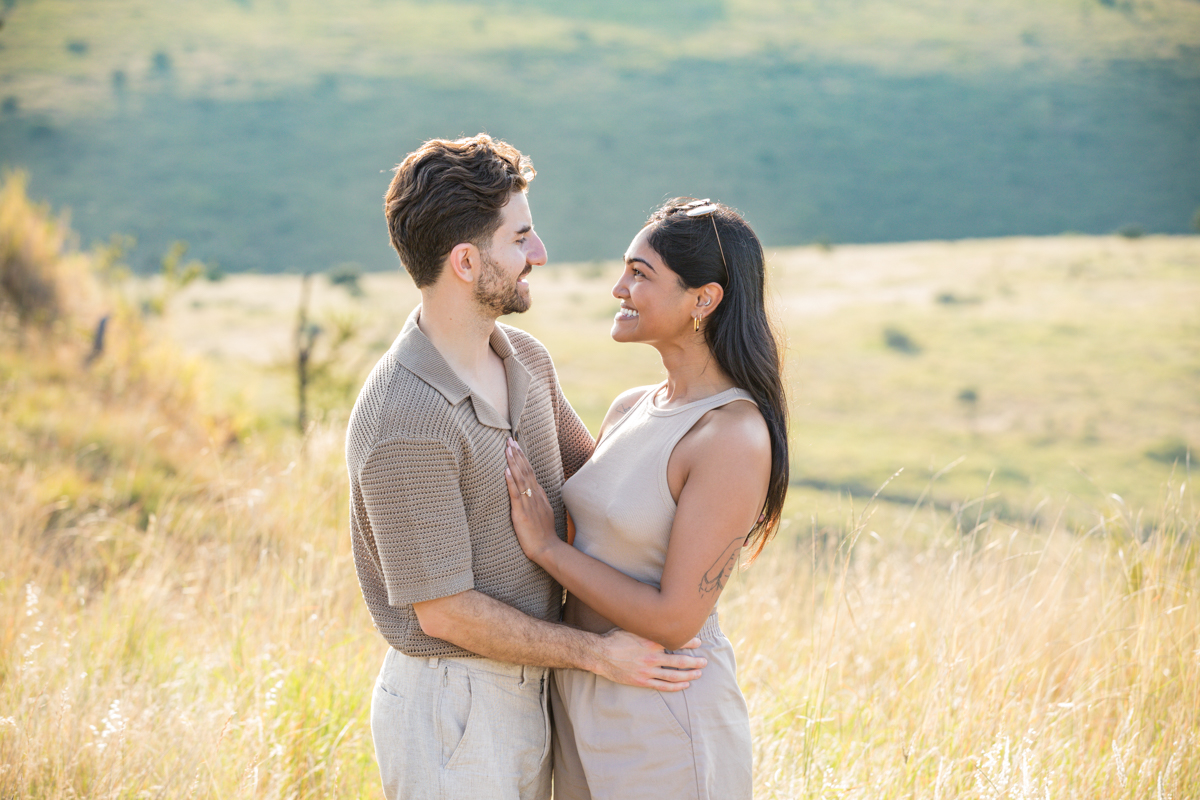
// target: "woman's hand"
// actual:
[[532, 517]]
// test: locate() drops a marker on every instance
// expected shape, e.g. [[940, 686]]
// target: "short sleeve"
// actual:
[[411, 492], [575, 442]]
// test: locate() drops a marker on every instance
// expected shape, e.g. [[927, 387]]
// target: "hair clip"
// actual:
[[698, 208]]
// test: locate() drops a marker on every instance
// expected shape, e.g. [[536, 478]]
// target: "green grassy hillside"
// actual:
[[64, 52], [262, 132]]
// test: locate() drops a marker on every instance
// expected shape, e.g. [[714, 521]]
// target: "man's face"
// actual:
[[515, 250]]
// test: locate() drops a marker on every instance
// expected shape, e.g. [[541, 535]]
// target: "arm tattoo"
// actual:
[[623, 409], [714, 579]]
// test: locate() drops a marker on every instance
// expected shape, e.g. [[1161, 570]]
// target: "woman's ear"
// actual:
[[708, 297], [464, 262]]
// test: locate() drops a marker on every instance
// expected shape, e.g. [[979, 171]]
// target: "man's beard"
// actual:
[[493, 293]]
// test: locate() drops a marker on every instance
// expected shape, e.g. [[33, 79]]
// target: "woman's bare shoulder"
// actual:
[[622, 405], [629, 398], [735, 429]]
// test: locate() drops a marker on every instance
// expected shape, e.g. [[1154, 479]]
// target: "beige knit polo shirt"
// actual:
[[429, 509]]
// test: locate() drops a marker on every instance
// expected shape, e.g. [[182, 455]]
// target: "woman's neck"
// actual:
[[692, 374]]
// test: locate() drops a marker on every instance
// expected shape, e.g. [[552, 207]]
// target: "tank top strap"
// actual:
[[696, 408], [637, 409], [669, 425]]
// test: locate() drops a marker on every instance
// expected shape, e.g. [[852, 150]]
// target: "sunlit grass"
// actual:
[[180, 624], [181, 616], [222, 648], [988, 661]]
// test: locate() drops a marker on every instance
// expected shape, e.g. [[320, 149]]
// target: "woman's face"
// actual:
[[655, 307]]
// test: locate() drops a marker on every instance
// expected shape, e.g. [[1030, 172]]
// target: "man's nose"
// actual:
[[537, 253]]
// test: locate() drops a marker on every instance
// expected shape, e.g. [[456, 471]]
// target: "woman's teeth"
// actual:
[[626, 313]]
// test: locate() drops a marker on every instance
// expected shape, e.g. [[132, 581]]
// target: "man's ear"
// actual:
[[708, 297], [464, 262]]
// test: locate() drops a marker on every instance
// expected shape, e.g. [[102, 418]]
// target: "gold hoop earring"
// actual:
[[696, 324]]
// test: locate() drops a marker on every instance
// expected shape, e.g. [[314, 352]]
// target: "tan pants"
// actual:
[[469, 728], [615, 742]]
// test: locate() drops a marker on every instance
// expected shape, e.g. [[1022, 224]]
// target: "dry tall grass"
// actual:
[[181, 619], [992, 662]]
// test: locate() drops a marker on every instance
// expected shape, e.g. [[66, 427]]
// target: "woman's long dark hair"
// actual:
[[720, 248]]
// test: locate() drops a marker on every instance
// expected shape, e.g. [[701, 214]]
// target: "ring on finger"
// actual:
[[528, 492]]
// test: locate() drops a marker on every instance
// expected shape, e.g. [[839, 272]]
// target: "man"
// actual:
[[460, 706]]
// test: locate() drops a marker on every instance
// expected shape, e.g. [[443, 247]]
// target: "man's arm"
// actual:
[[575, 442], [483, 625]]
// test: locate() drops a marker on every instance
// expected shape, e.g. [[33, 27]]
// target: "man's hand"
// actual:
[[624, 657]]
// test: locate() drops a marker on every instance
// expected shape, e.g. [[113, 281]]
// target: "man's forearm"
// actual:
[[484, 625], [481, 624]]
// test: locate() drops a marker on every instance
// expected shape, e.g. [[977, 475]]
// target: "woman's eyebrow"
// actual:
[[633, 259]]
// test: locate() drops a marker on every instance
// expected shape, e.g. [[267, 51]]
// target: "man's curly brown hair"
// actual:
[[450, 192]]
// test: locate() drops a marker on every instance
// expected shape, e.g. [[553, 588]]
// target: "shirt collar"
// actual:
[[417, 354]]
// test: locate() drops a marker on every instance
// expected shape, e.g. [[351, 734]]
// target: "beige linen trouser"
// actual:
[[616, 742], [461, 728]]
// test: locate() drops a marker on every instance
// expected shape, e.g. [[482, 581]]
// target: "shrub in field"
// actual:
[[900, 341], [30, 245], [347, 275], [175, 276], [43, 280], [1172, 450]]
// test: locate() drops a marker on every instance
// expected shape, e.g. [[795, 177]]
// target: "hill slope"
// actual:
[[262, 132]]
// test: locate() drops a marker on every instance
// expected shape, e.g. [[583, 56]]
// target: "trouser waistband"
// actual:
[[521, 671]]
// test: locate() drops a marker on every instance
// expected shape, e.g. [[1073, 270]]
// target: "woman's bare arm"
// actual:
[[721, 468]]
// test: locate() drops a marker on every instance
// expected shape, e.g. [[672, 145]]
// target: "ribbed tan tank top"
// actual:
[[620, 500]]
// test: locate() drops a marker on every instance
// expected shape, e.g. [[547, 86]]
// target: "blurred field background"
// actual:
[[1015, 615], [985, 586], [261, 131], [1060, 368]]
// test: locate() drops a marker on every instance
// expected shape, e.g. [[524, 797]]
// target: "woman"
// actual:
[[681, 473]]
